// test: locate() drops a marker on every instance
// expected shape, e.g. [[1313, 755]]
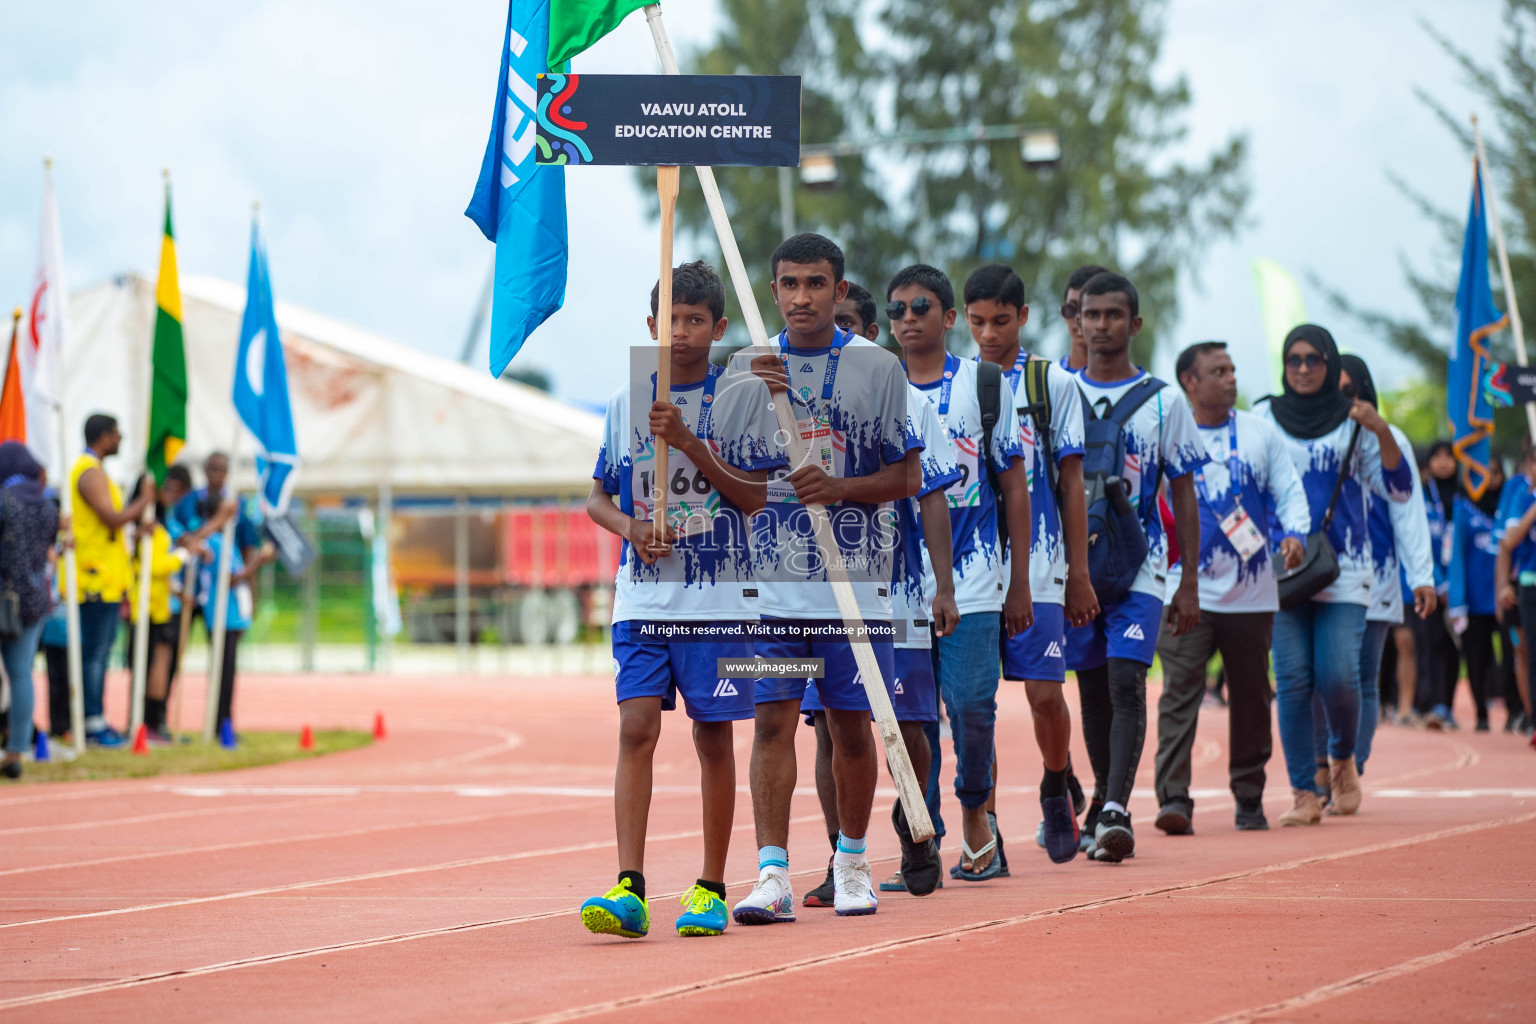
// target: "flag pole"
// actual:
[[1509, 282], [141, 623], [907, 786], [666, 191], [66, 489]]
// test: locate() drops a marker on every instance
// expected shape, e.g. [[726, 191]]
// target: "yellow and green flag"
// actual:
[[168, 363]]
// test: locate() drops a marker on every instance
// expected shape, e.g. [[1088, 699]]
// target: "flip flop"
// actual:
[[992, 870], [1002, 856]]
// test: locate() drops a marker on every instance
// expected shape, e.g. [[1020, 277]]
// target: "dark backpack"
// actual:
[[989, 396], [1117, 544]]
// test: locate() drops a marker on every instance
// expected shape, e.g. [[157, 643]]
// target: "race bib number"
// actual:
[[966, 492], [692, 501], [820, 445], [1243, 535]]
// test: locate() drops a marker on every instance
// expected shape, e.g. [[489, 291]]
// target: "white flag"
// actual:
[[47, 328]]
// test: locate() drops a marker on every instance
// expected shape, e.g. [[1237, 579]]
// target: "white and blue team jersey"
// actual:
[[1251, 467], [1513, 504], [979, 582], [1400, 555], [1048, 549], [1439, 518], [1161, 443], [850, 403], [708, 576], [1317, 460], [911, 594], [1474, 548]]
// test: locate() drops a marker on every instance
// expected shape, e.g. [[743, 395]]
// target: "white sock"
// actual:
[[1110, 805]]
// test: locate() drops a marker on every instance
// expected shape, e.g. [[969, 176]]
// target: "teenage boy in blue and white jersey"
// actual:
[[921, 310], [996, 311], [1111, 655], [684, 594], [1249, 481], [922, 615], [849, 401], [1515, 576]]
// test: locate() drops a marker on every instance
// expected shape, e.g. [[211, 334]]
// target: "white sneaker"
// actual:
[[771, 899], [854, 889]]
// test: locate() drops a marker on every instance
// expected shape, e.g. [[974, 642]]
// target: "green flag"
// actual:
[[168, 363], [574, 25], [1280, 307]]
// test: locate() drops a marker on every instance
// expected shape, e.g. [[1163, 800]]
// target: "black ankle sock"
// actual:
[[832, 838], [718, 888], [1053, 783], [636, 882]]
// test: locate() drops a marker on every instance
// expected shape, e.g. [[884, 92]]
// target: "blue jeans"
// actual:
[[1373, 643], [968, 673], [1317, 653], [18, 655], [98, 628]]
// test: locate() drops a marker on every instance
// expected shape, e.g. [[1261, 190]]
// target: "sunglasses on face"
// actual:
[[1311, 361], [920, 307], [1069, 310]]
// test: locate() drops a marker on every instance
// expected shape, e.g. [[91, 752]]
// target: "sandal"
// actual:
[[992, 870]]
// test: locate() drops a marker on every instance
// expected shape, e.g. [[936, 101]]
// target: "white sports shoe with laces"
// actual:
[[854, 889], [770, 901]]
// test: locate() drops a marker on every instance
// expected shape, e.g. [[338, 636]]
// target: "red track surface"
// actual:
[[437, 874]]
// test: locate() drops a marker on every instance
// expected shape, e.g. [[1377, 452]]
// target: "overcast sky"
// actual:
[[360, 126]]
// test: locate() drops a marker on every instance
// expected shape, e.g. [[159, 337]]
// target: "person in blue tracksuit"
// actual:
[[1439, 662], [1473, 608], [1515, 575]]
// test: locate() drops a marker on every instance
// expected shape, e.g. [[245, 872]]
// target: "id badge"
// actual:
[[817, 435], [1245, 537]]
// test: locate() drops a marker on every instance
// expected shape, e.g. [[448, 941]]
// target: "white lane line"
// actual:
[[755, 974], [108, 823], [1367, 979]]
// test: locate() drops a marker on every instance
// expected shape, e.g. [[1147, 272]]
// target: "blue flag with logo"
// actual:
[[1477, 319], [261, 387], [518, 206]]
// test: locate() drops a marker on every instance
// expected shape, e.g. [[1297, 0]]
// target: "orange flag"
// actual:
[[13, 408]]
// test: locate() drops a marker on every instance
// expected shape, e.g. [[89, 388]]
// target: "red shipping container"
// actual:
[[553, 548]]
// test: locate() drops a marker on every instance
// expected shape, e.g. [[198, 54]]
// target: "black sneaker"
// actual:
[[1113, 839], [823, 894], [922, 868], [1176, 820], [1250, 815]]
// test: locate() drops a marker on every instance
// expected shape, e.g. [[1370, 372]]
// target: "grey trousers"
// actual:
[[1243, 638]]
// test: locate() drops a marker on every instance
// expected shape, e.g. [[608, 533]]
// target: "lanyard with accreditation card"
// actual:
[[706, 401], [813, 425], [697, 502], [1236, 525]]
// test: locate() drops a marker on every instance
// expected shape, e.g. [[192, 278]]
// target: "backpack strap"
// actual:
[[989, 397], [1037, 395], [1122, 411]]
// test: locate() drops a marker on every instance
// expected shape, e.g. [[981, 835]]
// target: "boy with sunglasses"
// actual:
[[921, 310], [1071, 297], [1051, 431]]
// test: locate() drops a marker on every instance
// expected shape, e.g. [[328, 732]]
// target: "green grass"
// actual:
[[255, 749]]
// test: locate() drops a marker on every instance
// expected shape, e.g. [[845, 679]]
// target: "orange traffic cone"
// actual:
[[378, 726], [141, 740], [306, 738]]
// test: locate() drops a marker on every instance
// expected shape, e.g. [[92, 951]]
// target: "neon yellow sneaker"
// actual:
[[619, 912], [704, 913]]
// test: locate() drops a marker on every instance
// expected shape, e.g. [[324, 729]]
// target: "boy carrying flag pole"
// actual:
[[685, 595]]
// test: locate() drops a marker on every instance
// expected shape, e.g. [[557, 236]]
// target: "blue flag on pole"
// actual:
[[1470, 413], [261, 387], [518, 206]]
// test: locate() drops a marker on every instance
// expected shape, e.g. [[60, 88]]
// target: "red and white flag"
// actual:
[[43, 351]]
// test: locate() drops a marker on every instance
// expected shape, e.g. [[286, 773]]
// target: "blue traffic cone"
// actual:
[[39, 746], [227, 734]]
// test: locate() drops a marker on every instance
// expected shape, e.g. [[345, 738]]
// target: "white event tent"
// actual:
[[372, 415]]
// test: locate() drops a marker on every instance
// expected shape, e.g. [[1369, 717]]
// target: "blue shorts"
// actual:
[[1124, 630], [1040, 651], [840, 687], [645, 667], [915, 695]]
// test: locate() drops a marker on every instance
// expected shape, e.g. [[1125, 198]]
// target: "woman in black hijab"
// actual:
[[1317, 644], [29, 524]]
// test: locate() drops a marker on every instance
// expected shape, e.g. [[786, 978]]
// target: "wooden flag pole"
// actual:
[[666, 190], [1509, 282], [907, 785]]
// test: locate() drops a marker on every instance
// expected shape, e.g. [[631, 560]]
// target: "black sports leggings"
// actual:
[[1114, 712], [1477, 648]]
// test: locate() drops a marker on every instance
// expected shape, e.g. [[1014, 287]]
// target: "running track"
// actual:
[[436, 876]]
